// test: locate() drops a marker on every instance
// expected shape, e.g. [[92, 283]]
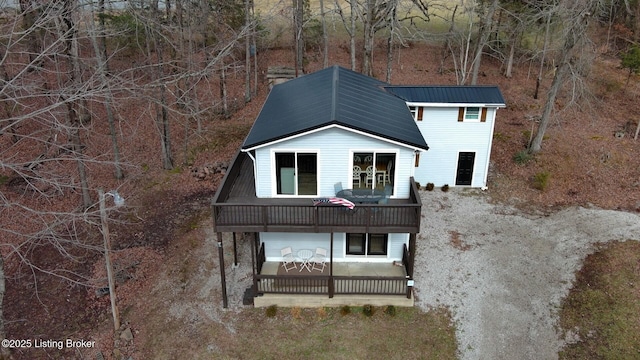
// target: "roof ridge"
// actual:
[[334, 94]]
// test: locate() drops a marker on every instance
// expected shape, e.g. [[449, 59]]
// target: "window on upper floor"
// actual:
[[416, 112], [296, 173], [374, 170], [472, 114]]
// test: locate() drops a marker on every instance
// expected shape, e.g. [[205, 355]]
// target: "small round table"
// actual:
[[305, 256]]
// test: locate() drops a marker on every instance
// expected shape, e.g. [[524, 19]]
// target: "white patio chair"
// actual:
[[288, 260], [371, 173], [319, 259], [356, 175]]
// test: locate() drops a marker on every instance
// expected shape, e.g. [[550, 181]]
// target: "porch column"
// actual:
[[411, 260], [252, 245], [331, 288], [223, 281], [235, 250]]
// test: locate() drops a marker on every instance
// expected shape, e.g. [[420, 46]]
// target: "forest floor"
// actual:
[[170, 298]]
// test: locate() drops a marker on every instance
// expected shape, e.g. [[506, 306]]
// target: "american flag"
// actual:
[[336, 201]]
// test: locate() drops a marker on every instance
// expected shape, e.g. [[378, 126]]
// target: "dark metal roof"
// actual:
[[334, 96], [462, 94]]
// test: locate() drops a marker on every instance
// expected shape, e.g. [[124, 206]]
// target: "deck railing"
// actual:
[[332, 285], [300, 218], [231, 214]]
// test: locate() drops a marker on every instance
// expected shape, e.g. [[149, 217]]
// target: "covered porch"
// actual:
[[339, 283]]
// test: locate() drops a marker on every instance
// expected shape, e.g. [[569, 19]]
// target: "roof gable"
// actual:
[[333, 96], [449, 94]]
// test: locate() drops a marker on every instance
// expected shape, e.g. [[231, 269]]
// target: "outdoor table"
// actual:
[[362, 195], [305, 255]]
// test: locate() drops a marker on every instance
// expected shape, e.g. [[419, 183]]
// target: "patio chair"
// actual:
[[319, 259], [356, 175], [371, 172], [288, 260], [388, 189], [385, 177]]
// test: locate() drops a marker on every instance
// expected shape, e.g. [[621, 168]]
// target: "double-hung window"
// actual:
[[472, 114]]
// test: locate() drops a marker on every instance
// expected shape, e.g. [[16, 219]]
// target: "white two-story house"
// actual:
[[329, 164], [458, 123]]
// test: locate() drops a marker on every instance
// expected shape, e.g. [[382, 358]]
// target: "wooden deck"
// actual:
[[236, 209]]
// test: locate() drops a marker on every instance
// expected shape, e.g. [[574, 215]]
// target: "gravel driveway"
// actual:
[[504, 273]]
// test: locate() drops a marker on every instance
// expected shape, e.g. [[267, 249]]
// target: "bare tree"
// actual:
[[575, 17], [483, 37], [325, 36]]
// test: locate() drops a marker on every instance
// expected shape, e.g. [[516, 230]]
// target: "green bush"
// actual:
[[368, 310], [522, 157], [430, 186], [345, 310], [390, 310], [271, 311], [541, 180], [445, 187]]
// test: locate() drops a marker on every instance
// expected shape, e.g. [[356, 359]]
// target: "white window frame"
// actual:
[[414, 112], [375, 152], [469, 117], [274, 178]]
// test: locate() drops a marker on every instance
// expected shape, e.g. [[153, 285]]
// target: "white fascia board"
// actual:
[[422, 104], [338, 127]]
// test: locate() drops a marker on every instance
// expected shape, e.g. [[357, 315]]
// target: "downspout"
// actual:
[[255, 169]]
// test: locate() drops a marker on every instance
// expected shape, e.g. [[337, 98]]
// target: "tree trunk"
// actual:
[[352, 35], [325, 37], [103, 69], [447, 42], [73, 107], [536, 143], [392, 24], [512, 52], [223, 88], [485, 31], [544, 53], [247, 54], [368, 40], [298, 18], [162, 116]]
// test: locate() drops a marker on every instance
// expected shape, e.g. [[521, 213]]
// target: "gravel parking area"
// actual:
[[503, 272]]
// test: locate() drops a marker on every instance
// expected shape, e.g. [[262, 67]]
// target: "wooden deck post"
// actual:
[[235, 250], [254, 263], [330, 287], [411, 260], [223, 280]]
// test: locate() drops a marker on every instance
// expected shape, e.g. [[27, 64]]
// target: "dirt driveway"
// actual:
[[503, 273]]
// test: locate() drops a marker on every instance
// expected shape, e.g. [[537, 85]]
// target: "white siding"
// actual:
[[447, 137], [335, 148], [274, 242]]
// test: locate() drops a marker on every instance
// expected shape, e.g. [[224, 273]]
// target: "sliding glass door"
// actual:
[[296, 173]]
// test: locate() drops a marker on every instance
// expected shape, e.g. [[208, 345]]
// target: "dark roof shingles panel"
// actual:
[[334, 96], [449, 94]]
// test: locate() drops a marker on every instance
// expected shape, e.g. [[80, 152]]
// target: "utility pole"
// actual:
[[119, 201]]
